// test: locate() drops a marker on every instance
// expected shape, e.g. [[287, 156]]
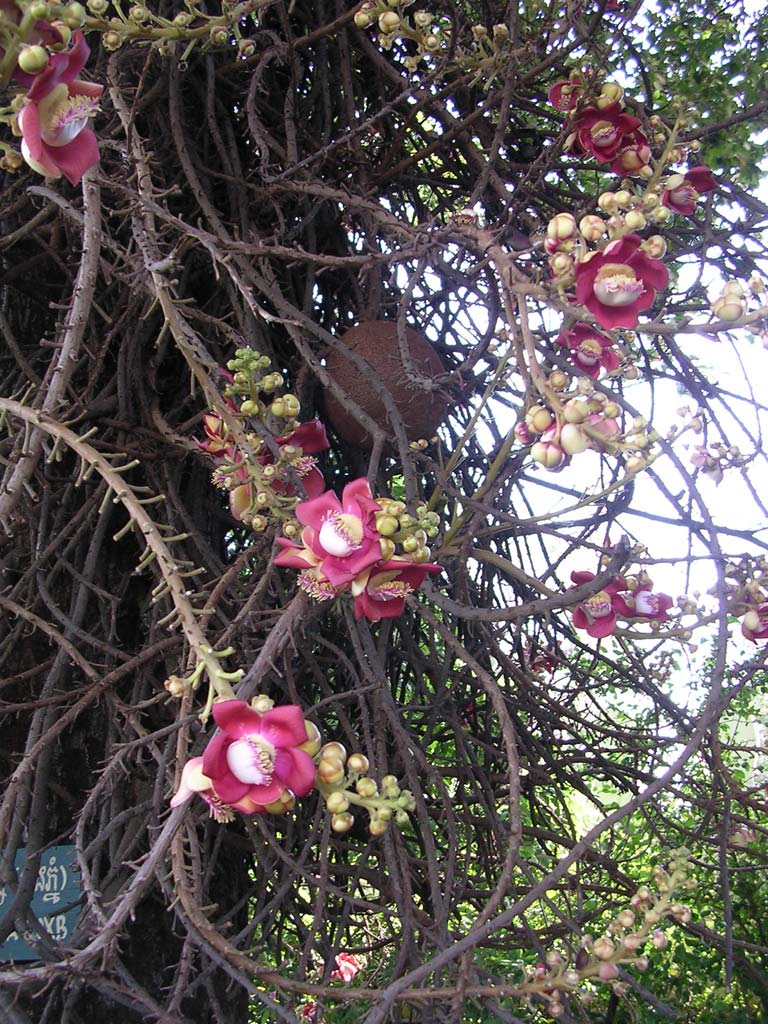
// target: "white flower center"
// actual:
[[598, 606], [589, 351], [604, 133], [617, 285], [252, 760], [645, 603], [684, 195], [63, 117], [341, 534]]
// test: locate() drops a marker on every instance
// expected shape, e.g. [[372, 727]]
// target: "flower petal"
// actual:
[[296, 769]]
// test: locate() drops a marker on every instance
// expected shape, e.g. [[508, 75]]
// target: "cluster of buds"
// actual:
[[487, 57], [260, 474], [731, 304], [191, 27], [343, 782], [410, 533], [746, 584], [599, 960], [586, 419], [394, 24], [714, 459]]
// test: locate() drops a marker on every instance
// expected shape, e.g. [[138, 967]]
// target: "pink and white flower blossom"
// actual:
[[598, 614], [682, 192], [195, 781], [342, 534], [620, 282], [53, 122], [603, 133], [565, 94], [590, 350], [643, 603], [380, 593], [754, 625], [255, 757], [347, 966]]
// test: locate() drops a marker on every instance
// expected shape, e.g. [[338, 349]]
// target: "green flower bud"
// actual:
[[33, 59]]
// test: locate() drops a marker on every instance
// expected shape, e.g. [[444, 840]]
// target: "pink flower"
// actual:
[[256, 758], [194, 780], [642, 603], [683, 191], [633, 156], [342, 534], [564, 95], [380, 593], [590, 350], [603, 133], [754, 625], [55, 139], [218, 437], [311, 438], [597, 614], [620, 282], [347, 966]]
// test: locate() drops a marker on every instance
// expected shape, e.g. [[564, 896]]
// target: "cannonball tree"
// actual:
[[382, 525]]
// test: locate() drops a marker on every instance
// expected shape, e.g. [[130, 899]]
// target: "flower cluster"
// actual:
[[630, 936], [349, 544], [754, 625], [343, 782], [259, 760], [262, 757], [630, 599], [54, 113], [748, 596], [260, 482], [347, 966], [583, 419], [484, 60], [619, 280], [607, 132]]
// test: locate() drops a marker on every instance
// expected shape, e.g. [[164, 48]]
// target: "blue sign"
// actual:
[[56, 890]]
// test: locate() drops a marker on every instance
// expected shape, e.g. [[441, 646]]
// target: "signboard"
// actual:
[[56, 890]]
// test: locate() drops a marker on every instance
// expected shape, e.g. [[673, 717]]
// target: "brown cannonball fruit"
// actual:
[[376, 341]]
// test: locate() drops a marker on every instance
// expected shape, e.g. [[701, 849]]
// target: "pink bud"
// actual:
[[550, 455], [522, 434], [562, 227], [607, 972], [538, 418], [572, 439]]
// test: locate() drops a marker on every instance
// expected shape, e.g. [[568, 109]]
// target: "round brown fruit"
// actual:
[[422, 411]]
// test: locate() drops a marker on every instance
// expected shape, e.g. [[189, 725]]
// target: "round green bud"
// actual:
[[74, 15], [292, 404], [337, 802], [389, 21], [33, 59]]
